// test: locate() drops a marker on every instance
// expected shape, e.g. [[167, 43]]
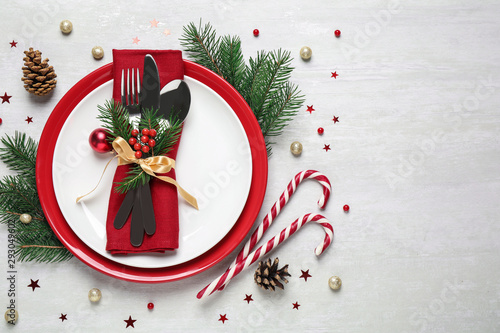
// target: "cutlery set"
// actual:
[[137, 96]]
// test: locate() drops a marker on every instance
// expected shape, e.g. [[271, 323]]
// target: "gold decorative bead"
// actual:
[[296, 148], [335, 282], [97, 52], [11, 316], [306, 53], [25, 218], [66, 26], [94, 295]]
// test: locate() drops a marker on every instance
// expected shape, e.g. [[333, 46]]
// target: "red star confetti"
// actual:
[[166, 32], [34, 284], [13, 44], [135, 40], [63, 317], [130, 321], [223, 318], [326, 148], [305, 275], [310, 109], [296, 305], [335, 119], [5, 98], [154, 23], [334, 74], [248, 298], [29, 119]]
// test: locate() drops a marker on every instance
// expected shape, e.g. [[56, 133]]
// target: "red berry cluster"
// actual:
[[143, 143]]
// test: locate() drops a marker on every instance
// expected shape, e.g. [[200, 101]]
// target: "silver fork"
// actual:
[[133, 201], [131, 91]]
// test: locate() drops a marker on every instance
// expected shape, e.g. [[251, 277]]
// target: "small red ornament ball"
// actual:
[[145, 131], [138, 154], [152, 132], [137, 146], [151, 306], [321, 130], [1, 121], [256, 32], [145, 149], [151, 143], [144, 139], [134, 132], [346, 208], [337, 33], [132, 141], [98, 141]]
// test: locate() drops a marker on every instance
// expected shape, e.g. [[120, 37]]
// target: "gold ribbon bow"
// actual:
[[151, 166]]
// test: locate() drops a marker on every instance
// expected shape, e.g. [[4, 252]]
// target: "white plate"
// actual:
[[214, 163]]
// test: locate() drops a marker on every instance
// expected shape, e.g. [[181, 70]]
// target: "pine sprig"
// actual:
[[263, 83], [115, 119], [19, 154], [34, 241], [202, 44]]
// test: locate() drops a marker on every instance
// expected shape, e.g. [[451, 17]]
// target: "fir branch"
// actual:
[[263, 83], [289, 102], [202, 45], [19, 154], [167, 136], [135, 177], [115, 119], [232, 64], [34, 241]]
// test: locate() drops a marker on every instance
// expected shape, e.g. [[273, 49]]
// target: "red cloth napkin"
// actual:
[[165, 199]]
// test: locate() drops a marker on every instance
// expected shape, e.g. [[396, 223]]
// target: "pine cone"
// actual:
[[268, 275], [38, 75]]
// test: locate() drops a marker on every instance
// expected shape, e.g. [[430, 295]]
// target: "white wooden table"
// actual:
[[415, 154]]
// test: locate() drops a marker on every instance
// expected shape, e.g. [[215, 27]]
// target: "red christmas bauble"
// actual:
[[321, 130], [151, 306], [337, 33], [98, 141], [346, 208], [256, 32]]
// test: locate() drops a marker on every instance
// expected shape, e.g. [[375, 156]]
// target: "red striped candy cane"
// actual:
[[278, 205], [268, 247]]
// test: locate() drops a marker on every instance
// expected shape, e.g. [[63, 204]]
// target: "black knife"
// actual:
[[149, 99]]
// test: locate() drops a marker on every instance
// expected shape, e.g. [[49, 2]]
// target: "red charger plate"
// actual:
[[150, 275]]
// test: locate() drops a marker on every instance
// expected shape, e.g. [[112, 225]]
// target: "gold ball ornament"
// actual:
[[66, 26], [97, 52], [306, 53], [335, 282], [296, 148], [25, 218], [94, 295], [11, 316]]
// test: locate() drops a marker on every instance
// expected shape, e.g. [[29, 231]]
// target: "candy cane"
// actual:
[[282, 201], [269, 246]]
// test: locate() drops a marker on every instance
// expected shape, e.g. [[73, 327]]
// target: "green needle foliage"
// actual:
[[115, 119], [34, 241], [264, 83]]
